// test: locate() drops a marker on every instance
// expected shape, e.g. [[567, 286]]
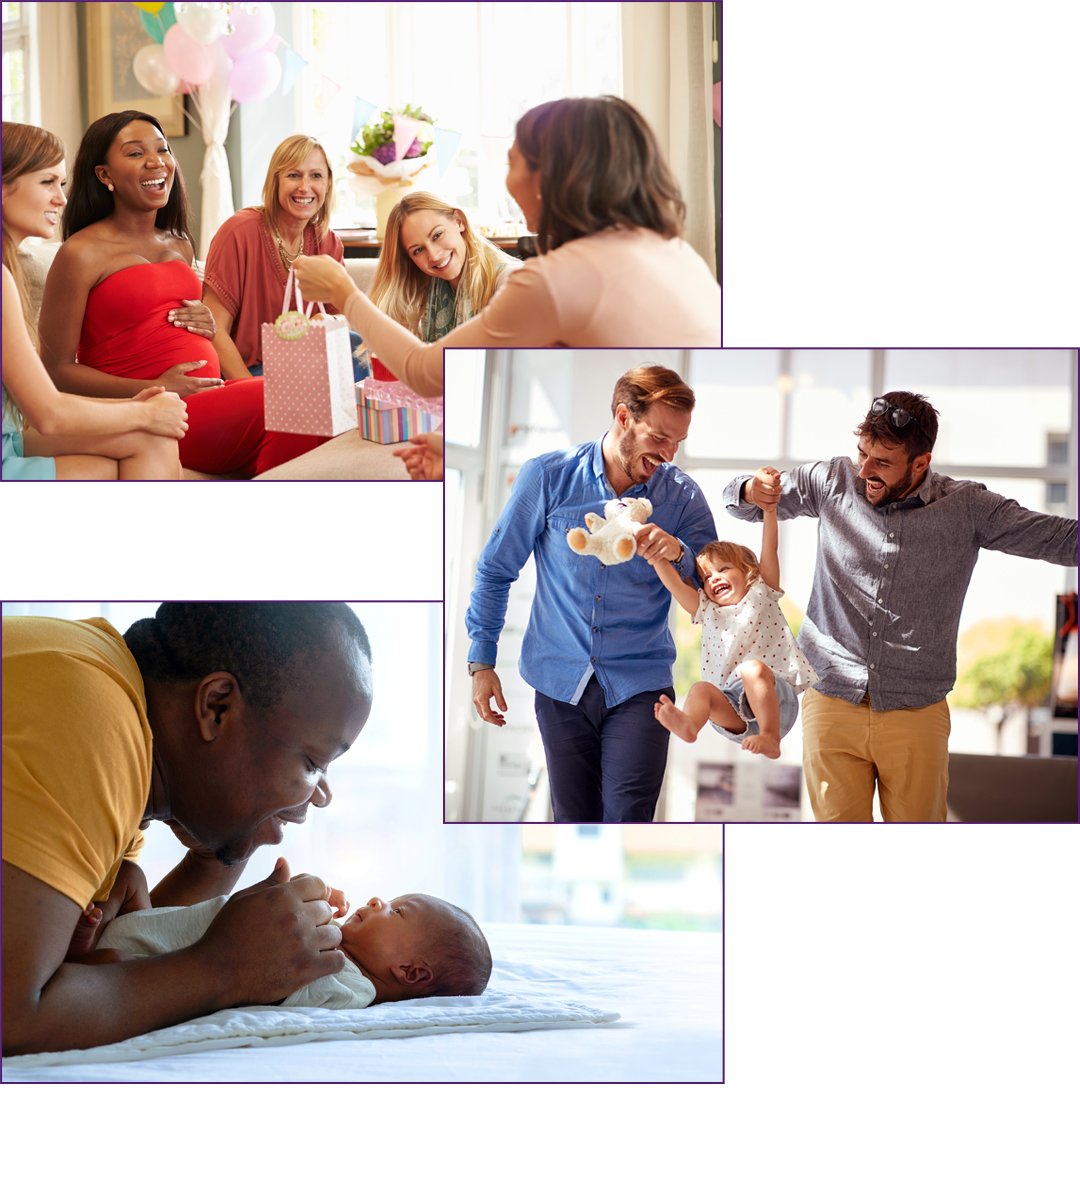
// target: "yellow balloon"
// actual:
[[151, 8]]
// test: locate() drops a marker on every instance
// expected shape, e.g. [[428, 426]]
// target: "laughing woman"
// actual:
[[434, 272], [49, 434], [121, 308], [612, 268], [248, 262]]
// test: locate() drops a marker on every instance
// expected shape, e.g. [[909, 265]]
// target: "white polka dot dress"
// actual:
[[731, 634]]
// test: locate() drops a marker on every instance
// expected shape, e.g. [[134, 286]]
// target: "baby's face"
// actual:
[[723, 581], [385, 934]]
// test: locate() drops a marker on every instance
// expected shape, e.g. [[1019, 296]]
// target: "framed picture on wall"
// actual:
[[114, 32]]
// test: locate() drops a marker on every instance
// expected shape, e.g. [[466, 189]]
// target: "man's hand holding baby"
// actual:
[[272, 938]]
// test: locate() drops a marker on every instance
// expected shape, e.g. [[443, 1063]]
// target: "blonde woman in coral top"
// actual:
[[612, 269]]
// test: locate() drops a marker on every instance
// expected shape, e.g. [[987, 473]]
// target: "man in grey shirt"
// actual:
[[896, 547]]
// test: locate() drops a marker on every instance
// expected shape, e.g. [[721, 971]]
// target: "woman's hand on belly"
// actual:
[[176, 379], [195, 317]]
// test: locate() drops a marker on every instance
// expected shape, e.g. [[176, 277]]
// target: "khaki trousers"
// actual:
[[848, 748]]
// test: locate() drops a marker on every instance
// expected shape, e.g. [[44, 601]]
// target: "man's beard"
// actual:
[[896, 492]]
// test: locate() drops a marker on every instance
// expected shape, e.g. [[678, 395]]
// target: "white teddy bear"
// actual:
[[610, 538]]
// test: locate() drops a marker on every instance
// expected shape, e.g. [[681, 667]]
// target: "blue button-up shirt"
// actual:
[[586, 618], [890, 581]]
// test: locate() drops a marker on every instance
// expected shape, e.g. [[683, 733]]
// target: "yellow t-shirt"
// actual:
[[77, 753]]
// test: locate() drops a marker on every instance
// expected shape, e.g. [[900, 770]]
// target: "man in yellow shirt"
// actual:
[[220, 719]]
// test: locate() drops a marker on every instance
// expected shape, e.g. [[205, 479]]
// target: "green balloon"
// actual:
[[157, 23]]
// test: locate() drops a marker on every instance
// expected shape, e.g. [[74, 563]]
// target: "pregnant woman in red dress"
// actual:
[[122, 302]]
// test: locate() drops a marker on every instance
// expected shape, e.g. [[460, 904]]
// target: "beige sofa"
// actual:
[[347, 456]]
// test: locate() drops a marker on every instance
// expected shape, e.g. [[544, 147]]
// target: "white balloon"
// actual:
[[152, 71], [203, 23]]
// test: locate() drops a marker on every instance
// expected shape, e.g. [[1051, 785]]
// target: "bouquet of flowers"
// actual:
[[393, 146]]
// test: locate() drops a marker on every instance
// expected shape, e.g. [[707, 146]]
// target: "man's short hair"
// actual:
[[917, 436], [257, 642], [651, 384]]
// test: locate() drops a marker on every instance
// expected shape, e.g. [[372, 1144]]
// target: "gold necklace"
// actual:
[[287, 258]]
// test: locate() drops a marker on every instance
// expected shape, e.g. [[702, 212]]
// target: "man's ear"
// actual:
[[217, 701], [921, 462], [622, 415], [413, 973]]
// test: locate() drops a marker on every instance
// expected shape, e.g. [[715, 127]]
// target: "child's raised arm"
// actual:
[[685, 593], [770, 538]]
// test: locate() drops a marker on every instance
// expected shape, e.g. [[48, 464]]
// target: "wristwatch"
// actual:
[[474, 667]]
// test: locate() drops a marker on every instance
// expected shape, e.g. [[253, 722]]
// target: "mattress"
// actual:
[[667, 988]]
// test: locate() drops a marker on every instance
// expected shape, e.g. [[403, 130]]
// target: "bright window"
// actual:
[[17, 104], [475, 68]]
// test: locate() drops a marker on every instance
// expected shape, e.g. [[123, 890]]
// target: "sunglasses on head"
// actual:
[[899, 418]]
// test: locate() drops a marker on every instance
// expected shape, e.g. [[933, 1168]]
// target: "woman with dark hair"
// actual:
[[612, 269], [50, 434], [121, 308]]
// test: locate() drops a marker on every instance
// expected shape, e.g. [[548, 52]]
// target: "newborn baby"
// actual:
[[413, 946]]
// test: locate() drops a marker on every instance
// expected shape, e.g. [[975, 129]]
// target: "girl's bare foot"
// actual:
[[675, 720], [762, 743]]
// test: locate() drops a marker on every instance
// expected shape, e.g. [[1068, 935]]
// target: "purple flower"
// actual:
[[415, 150], [386, 154]]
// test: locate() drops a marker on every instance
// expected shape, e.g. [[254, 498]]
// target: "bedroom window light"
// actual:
[[389, 54]]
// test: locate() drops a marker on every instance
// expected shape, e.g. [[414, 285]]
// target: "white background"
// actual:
[[901, 173], [901, 1003]]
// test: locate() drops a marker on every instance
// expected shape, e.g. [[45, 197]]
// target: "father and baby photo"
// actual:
[[237, 870], [915, 590]]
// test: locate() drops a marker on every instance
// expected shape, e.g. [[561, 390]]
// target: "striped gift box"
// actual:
[[390, 412]]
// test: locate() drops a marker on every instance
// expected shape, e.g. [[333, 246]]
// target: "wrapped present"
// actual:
[[391, 412]]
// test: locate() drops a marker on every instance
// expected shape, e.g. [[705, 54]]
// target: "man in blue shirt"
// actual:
[[597, 649], [897, 543]]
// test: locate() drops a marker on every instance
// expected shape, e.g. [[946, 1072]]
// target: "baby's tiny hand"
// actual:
[[335, 897]]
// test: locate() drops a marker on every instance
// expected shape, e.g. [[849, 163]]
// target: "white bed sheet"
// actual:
[[668, 987]]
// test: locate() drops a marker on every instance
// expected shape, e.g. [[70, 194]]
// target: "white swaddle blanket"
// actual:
[[153, 931]]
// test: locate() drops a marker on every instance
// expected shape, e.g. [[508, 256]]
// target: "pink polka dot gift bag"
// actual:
[[307, 368]]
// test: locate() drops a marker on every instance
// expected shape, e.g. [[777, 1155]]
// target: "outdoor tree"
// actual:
[[1004, 666]]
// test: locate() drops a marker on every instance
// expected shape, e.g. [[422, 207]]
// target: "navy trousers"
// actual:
[[604, 764]]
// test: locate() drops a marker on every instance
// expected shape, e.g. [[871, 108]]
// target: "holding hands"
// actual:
[[274, 937], [764, 488], [165, 413], [655, 545]]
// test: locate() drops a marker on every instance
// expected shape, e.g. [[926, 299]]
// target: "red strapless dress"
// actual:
[[126, 332]]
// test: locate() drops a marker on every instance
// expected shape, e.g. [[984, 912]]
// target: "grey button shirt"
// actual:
[[889, 582]]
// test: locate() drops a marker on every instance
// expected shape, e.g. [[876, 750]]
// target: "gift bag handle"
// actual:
[[292, 283]]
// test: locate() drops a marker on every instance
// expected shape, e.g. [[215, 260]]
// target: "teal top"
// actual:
[[15, 463], [441, 314]]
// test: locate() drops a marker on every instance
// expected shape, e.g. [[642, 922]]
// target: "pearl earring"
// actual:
[[109, 186]]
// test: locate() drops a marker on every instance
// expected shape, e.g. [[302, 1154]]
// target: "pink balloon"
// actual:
[[252, 27], [189, 59], [255, 76]]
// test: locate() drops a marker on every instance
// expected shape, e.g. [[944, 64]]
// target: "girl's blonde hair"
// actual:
[[291, 153], [26, 148], [741, 556], [401, 289]]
